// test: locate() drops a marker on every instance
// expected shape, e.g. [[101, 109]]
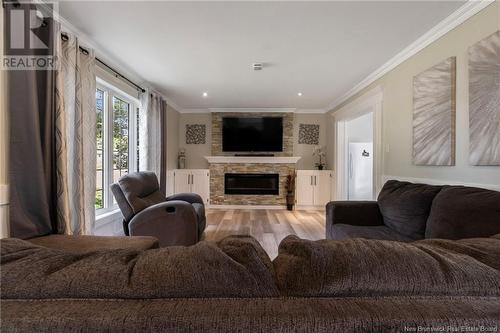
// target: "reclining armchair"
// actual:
[[176, 220]]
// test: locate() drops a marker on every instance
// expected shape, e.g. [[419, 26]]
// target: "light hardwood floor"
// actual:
[[269, 227]]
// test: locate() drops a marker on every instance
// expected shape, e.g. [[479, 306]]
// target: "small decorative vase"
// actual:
[[320, 167], [181, 159]]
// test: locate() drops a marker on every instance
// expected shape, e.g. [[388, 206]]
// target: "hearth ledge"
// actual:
[[253, 159]]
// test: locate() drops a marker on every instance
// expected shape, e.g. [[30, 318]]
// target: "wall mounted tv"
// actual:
[[243, 134]]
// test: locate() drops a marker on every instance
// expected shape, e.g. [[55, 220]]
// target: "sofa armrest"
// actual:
[[360, 213], [172, 222], [187, 197]]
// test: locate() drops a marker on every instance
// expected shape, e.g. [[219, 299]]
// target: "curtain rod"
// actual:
[[65, 38], [123, 77]]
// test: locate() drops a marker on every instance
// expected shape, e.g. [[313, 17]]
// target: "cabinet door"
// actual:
[[182, 181], [304, 188], [322, 188], [201, 181]]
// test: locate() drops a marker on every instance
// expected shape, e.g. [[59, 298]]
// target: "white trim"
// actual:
[[108, 217], [469, 9], [253, 110], [358, 107], [187, 111], [246, 207], [304, 207], [371, 101], [244, 110], [110, 86], [253, 159], [440, 182], [4, 194], [311, 111], [106, 57]]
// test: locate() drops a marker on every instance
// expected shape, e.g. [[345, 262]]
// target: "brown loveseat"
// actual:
[[406, 212], [355, 285]]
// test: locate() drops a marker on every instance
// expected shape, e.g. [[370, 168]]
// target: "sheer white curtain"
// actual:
[[75, 93], [152, 145]]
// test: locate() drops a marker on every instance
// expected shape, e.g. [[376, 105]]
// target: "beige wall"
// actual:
[[305, 151], [172, 145], [195, 153], [3, 147], [397, 106]]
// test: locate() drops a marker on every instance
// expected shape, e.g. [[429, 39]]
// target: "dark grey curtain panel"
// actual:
[[32, 147]]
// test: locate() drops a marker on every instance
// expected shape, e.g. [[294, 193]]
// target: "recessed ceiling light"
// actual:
[[205, 94], [299, 94]]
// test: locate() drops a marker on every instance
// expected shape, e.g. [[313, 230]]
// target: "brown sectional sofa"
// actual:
[[353, 285], [406, 212]]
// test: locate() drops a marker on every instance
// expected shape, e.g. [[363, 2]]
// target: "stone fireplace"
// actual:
[[279, 167], [250, 180], [251, 183]]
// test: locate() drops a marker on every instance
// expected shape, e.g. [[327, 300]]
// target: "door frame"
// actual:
[[368, 102]]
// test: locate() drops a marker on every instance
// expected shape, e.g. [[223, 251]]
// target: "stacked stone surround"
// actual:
[[217, 171], [288, 120]]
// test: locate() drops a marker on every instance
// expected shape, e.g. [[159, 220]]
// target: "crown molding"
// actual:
[[100, 51], [246, 110], [461, 15], [198, 111], [311, 111], [250, 110]]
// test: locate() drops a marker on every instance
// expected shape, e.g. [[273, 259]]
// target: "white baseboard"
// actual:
[[300, 207], [495, 187], [246, 207]]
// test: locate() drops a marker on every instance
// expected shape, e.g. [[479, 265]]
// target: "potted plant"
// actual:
[[290, 191], [318, 151]]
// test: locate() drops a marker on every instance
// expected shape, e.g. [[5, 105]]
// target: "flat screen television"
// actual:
[[263, 134]]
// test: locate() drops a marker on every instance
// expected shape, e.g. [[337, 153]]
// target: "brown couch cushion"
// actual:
[[463, 212], [405, 206], [361, 267], [81, 244], [248, 315], [233, 267]]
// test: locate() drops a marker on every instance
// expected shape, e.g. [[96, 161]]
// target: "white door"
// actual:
[[182, 183], [322, 188], [360, 171], [305, 188], [200, 184]]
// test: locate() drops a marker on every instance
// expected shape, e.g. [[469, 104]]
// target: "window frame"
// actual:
[[111, 91]]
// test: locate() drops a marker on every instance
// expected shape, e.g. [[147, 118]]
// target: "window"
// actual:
[[116, 141]]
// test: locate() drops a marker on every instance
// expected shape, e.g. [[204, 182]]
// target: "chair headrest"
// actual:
[[141, 189]]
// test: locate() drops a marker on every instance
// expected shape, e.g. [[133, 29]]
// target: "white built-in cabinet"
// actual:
[[193, 181], [313, 188]]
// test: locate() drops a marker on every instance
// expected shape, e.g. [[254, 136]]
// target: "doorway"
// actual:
[[359, 162], [358, 148]]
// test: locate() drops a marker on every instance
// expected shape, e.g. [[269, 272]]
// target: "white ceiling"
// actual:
[[321, 49]]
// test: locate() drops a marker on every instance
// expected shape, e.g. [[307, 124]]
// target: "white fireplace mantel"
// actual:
[[253, 159]]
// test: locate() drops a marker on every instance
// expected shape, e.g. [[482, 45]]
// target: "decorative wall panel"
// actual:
[[196, 134], [484, 101], [434, 99], [308, 134]]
